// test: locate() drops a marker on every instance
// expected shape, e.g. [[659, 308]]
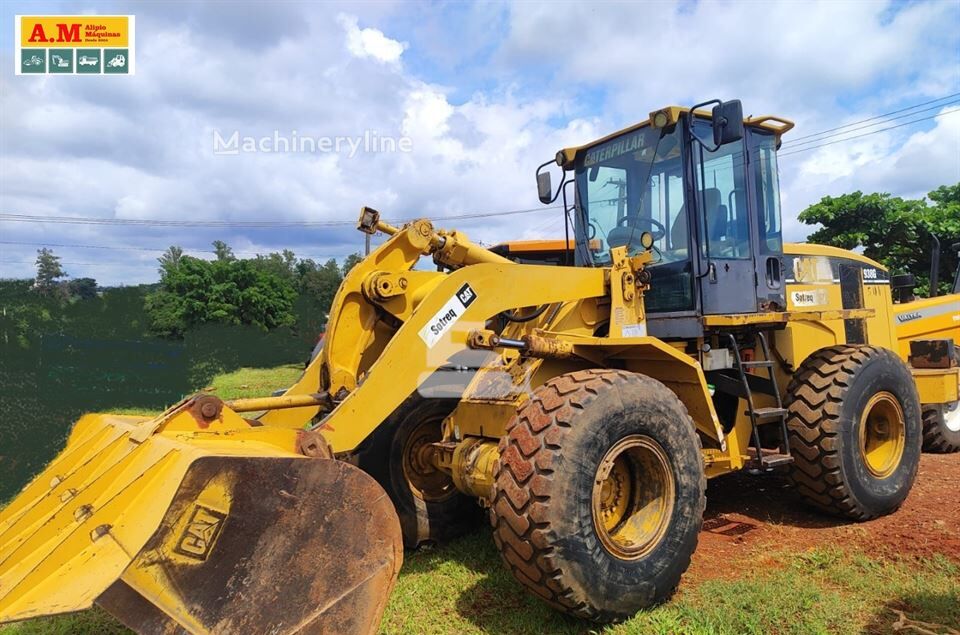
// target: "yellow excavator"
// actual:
[[580, 402]]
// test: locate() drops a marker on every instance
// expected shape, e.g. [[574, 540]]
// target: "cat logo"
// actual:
[[200, 533], [466, 295]]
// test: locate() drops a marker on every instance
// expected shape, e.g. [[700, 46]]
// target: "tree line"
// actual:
[[280, 289], [264, 291], [894, 231]]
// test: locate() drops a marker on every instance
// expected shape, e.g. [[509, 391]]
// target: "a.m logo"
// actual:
[[65, 33]]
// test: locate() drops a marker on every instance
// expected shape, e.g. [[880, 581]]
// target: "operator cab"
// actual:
[[704, 184]]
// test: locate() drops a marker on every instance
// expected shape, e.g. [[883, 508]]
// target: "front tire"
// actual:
[[599, 493], [430, 507], [854, 425]]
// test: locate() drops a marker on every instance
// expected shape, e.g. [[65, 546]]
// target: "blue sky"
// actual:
[[484, 92]]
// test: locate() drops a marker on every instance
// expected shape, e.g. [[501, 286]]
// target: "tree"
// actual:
[[894, 231], [48, 271], [170, 258], [283, 264], [350, 262], [222, 291], [321, 285], [83, 288], [223, 251]]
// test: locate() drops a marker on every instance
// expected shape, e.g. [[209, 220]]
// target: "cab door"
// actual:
[[727, 276], [764, 181]]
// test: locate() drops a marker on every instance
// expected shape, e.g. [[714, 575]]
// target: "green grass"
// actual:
[[462, 587], [242, 383], [255, 382]]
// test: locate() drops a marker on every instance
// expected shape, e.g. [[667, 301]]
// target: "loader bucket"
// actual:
[[221, 529]]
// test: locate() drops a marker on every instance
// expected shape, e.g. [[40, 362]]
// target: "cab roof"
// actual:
[[777, 125]]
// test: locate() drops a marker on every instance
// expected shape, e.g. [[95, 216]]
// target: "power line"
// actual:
[[81, 220], [893, 112], [867, 134], [82, 264], [152, 249], [793, 142]]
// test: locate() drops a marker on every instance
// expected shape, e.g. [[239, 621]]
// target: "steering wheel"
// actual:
[[657, 228], [622, 235]]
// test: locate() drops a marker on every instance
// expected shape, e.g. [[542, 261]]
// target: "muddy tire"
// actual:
[[599, 493], [941, 425], [854, 426], [430, 508]]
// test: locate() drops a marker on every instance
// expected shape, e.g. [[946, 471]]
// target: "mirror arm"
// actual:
[[693, 134], [562, 181]]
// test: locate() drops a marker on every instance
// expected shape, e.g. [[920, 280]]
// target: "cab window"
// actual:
[[763, 157], [721, 181]]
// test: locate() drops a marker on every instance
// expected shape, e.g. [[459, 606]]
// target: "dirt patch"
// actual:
[[749, 517]]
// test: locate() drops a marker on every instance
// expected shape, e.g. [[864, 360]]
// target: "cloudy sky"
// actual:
[[481, 93]]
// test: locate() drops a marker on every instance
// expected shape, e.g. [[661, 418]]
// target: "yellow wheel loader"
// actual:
[[933, 318], [581, 404]]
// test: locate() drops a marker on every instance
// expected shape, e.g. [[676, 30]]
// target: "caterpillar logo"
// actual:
[[466, 295], [201, 533]]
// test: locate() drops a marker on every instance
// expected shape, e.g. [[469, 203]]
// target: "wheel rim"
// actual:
[[423, 478], [633, 496], [951, 417], [882, 434]]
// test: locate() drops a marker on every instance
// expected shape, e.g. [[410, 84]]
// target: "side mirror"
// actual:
[[544, 187], [727, 122]]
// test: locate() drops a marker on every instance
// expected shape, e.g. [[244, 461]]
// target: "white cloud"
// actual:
[[370, 42], [903, 164], [141, 147]]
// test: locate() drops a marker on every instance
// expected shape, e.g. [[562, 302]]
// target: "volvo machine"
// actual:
[[580, 401]]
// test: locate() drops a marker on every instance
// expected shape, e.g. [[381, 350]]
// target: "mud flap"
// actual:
[[264, 545]]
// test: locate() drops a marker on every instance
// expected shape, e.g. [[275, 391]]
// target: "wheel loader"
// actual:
[[580, 402], [936, 317]]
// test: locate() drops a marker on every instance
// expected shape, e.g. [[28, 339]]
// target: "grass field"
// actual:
[[462, 587]]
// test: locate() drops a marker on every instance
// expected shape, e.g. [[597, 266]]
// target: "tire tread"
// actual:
[[522, 530]]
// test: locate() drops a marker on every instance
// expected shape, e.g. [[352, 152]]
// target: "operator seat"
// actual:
[[717, 219], [716, 213]]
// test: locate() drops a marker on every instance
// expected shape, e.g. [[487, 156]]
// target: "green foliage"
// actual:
[[225, 291], [222, 250], [170, 258], [282, 264], [350, 262], [48, 271], [82, 288], [270, 290], [321, 284], [894, 231]]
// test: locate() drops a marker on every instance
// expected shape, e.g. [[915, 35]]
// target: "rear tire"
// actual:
[[599, 493], [430, 507], [854, 426], [941, 425]]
